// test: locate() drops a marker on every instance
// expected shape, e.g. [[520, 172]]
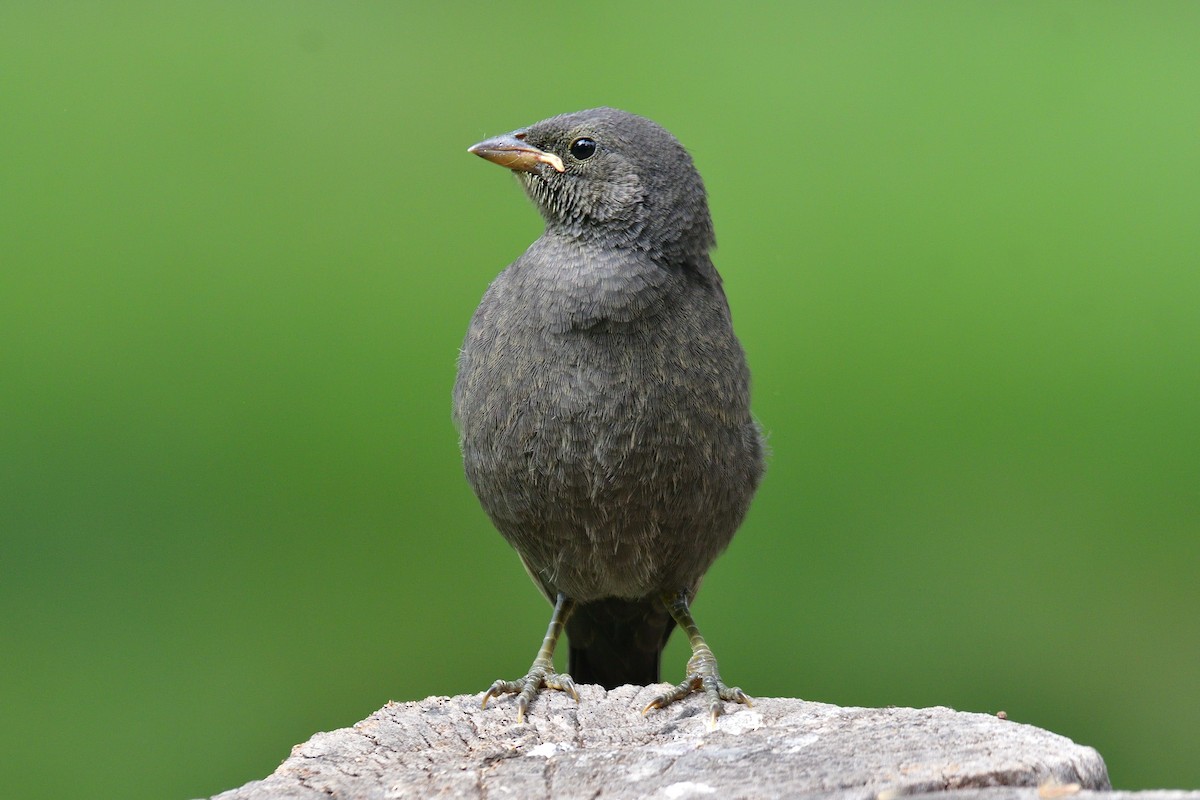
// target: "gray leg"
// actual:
[[702, 674], [541, 674]]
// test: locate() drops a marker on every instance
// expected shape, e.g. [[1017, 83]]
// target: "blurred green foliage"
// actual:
[[240, 243]]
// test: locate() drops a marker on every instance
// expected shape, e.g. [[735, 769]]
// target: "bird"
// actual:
[[602, 402]]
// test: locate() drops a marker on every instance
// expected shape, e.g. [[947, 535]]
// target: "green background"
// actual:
[[239, 246]]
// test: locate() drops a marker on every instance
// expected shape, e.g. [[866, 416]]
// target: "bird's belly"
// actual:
[[607, 489]]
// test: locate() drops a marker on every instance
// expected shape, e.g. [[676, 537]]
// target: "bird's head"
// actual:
[[610, 177]]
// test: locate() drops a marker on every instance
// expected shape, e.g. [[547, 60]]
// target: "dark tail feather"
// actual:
[[614, 642]]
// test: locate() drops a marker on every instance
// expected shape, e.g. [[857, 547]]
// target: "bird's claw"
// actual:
[[706, 680], [540, 676]]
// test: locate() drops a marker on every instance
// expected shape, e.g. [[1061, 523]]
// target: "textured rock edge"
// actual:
[[603, 747]]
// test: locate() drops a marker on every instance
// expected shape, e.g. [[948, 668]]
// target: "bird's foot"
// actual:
[[702, 676], [540, 676]]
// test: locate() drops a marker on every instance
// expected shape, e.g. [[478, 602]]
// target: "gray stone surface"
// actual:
[[1051, 792], [604, 748]]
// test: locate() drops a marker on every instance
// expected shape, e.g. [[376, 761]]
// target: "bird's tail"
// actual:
[[614, 642]]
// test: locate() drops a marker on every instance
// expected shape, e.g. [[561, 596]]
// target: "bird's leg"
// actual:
[[541, 674], [702, 674]]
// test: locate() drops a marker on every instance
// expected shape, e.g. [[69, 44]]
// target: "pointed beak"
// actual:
[[511, 151]]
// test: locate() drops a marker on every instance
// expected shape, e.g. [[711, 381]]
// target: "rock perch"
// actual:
[[603, 748]]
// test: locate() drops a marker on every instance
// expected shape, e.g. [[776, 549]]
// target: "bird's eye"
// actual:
[[583, 148]]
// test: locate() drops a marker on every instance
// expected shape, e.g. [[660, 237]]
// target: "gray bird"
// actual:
[[603, 402]]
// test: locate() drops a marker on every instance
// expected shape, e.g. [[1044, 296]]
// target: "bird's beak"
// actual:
[[510, 151]]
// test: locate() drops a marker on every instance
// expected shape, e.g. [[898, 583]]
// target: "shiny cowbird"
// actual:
[[603, 402]]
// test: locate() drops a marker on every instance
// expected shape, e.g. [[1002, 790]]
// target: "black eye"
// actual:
[[583, 148]]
